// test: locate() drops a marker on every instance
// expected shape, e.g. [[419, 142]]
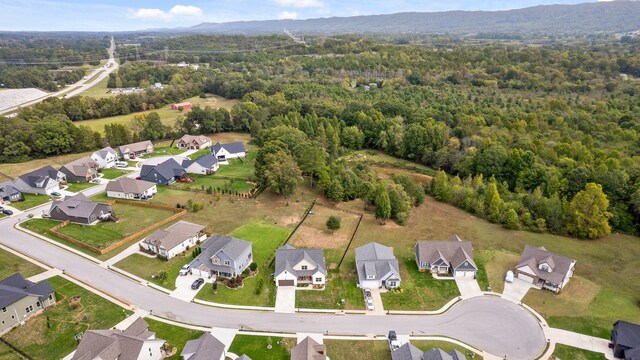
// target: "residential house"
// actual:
[[173, 240], [81, 170], [79, 209], [134, 343], [409, 352], [243, 357], [222, 256], [193, 142], [377, 267], [625, 338], [449, 257], [131, 151], [182, 105], [206, 164], [309, 349], [105, 158], [224, 152], [164, 173], [128, 90], [9, 193], [41, 181], [20, 299], [131, 189], [544, 268], [300, 266], [206, 347]]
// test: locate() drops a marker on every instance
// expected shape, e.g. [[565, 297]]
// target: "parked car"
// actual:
[[46, 216], [196, 284], [394, 344], [95, 181], [185, 270], [370, 305], [122, 164], [367, 293], [7, 212], [55, 193]]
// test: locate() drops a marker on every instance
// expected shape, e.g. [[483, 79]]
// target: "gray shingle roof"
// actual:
[[309, 349], [534, 256], [377, 260], [234, 147], [288, 256], [40, 176], [436, 354], [16, 287], [135, 147], [207, 347], [79, 206], [627, 334], [407, 352], [198, 139], [243, 357], [105, 151], [174, 235], [457, 355], [81, 166], [129, 185], [168, 169], [455, 251], [231, 246], [7, 189]]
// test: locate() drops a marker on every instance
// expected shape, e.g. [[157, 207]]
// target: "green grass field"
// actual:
[[10, 264], [75, 187], [54, 339], [426, 345], [99, 90], [146, 267], [265, 239], [174, 335], [164, 150], [256, 347], [358, 350], [113, 173], [14, 170], [31, 200], [206, 181], [565, 352], [339, 286]]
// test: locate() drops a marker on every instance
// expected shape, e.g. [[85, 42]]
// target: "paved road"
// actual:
[[79, 86], [489, 323]]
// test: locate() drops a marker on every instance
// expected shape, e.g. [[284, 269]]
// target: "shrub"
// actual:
[[253, 266], [162, 275], [333, 223]]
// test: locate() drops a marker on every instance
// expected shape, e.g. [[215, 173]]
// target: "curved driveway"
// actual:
[[488, 323]]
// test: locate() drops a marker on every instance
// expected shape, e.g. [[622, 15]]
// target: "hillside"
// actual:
[[615, 16]]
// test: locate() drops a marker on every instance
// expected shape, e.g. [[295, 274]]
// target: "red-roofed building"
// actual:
[[184, 105]]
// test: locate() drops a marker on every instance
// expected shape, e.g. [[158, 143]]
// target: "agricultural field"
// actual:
[[11, 264]]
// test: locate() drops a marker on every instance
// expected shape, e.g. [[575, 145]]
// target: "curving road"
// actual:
[[488, 323]]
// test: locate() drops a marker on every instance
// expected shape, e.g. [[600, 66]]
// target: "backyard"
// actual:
[[10, 264], [256, 347], [174, 335], [51, 335]]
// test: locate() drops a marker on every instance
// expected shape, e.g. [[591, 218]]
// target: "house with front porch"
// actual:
[[9, 193], [193, 142], [377, 267], [41, 181], [79, 209], [131, 189], [131, 151], [81, 170], [164, 173], [544, 268], [105, 158], [300, 266], [224, 152], [173, 240], [448, 257], [222, 256], [204, 165]]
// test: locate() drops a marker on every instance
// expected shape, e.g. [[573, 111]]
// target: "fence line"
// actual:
[[307, 211], [350, 241], [20, 352]]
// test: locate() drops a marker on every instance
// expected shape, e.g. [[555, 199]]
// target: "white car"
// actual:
[[185, 270], [122, 164], [370, 304]]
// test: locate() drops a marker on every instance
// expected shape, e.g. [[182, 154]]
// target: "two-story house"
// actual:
[[81, 170], [224, 152], [173, 240], [105, 158], [300, 266], [41, 181], [193, 142], [222, 256], [20, 299]]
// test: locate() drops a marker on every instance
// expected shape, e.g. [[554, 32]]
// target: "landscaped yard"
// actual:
[[265, 239], [147, 268], [174, 335], [51, 335], [113, 173], [10, 264], [256, 347], [565, 352], [30, 200], [75, 187], [426, 345], [358, 349], [339, 286]]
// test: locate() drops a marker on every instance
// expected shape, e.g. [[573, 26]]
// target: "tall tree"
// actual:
[[588, 213], [282, 174], [383, 204]]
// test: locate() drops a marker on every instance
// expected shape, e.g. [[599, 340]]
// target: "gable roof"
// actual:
[[198, 139], [407, 352], [376, 260], [129, 185], [455, 251], [436, 354], [16, 287], [374, 251], [38, 178], [207, 347], [168, 169], [102, 153], [81, 166], [233, 147], [533, 256], [244, 357], [174, 235], [207, 161], [457, 355], [79, 205], [135, 147], [7, 189], [231, 246], [288, 256], [627, 334], [309, 349]]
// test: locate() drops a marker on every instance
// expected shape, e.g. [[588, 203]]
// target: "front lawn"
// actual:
[[30, 200], [10, 264], [51, 335], [265, 239], [199, 153], [146, 267], [339, 286], [172, 334], [256, 347], [165, 150], [565, 352], [113, 173], [358, 349], [80, 186], [496, 264], [426, 345], [420, 290]]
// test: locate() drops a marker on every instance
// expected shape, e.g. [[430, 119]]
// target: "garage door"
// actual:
[[526, 278], [286, 283], [464, 273]]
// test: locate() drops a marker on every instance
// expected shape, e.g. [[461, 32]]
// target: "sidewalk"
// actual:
[[45, 275], [581, 341], [139, 313], [133, 249]]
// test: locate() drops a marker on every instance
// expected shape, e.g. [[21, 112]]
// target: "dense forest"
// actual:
[[538, 137]]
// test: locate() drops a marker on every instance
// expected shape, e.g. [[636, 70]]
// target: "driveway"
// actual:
[[286, 299], [378, 306], [183, 289], [516, 290], [468, 287]]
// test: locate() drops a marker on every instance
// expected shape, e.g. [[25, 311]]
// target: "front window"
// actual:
[[28, 309], [304, 267], [370, 277], [318, 279], [227, 262]]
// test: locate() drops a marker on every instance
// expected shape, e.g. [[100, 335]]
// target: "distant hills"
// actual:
[[611, 17]]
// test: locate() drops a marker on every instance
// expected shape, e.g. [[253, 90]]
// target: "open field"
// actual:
[[358, 350], [265, 239], [314, 233], [17, 169], [99, 90], [31, 200], [10, 264], [146, 267], [174, 335], [113, 173], [167, 116], [256, 347], [53, 339]]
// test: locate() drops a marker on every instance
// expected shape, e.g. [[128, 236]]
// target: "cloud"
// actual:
[[300, 3], [176, 11], [288, 15]]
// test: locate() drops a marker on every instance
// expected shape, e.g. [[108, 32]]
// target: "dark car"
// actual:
[[7, 212], [196, 284], [55, 193]]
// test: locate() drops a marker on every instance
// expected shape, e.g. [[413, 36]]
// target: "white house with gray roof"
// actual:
[[222, 256], [300, 266], [544, 268], [41, 181], [105, 157], [173, 240], [377, 267], [224, 152], [9, 193], [205, 165], [448, 257], [131, 189], [206, 347], [20, 299]]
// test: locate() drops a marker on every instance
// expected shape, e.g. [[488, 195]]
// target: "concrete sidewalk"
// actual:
[[45, 275], [132, 249], [139, 313], [581, 341]]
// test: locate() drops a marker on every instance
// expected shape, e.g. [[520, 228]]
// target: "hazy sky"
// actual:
[[119, 15]]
